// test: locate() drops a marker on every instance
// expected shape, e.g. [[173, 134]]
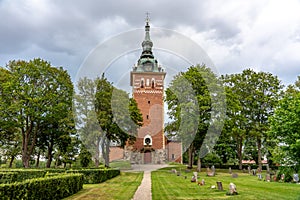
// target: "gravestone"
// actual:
[[282, 177], [275, 178], [203, 182], [234, 175], [232, 189], [196, 175], [174, 171], [296, 178], [249, 169], [213, 169], [193, 179], [268, 177], [268, 168], [220, 186], [254, 172], [230, 171], [244, 170], [259, 177]]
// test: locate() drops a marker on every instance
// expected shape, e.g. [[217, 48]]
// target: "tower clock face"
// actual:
[[148, 67]]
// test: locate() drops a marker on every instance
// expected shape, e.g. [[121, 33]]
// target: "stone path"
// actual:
[[144, 190]]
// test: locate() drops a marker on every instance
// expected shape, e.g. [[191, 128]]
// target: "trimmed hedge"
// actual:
[[25, 174], [56, 187], [92, 176], [8, 177]]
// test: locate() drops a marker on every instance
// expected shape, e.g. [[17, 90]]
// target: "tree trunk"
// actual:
[[190, 156], [38, 159], [97, 153], [49, 155], [11, 161], [107, 142], [239, 152], [259, 153], [199, 164]]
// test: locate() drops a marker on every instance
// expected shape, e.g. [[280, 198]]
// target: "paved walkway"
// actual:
[[144, 190]]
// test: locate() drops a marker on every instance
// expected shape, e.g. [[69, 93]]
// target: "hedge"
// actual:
[[56, 187], [92, 176], [25, 174], [8, 177]]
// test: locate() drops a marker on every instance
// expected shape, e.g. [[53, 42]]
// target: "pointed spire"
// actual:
[[147, 43]]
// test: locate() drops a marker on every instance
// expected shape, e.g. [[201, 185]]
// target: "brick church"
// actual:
[[147, 81]]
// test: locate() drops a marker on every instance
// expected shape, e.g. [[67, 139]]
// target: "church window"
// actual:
[[147, 116], [142, 83], [148, 102], [153, 83]]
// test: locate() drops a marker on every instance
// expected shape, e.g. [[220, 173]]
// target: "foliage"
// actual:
[[211, 158], [93, 176], [190, 99], [22, 175], [36, 102], [285, 126], [287, 172], [56, 187], [8, 177]]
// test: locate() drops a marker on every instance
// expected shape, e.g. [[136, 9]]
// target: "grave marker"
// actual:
[[220, 186]]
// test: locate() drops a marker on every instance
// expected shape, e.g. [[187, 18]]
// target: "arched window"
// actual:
[[153, 83], [142, 83]]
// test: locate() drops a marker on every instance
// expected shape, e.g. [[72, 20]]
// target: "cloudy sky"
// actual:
[[261, 34]]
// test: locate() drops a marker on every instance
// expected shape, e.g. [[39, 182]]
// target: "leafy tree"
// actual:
[[35, 93], [190, 109], [285, 125], [105, 115]]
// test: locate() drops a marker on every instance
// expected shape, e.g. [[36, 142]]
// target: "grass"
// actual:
[[166, 185], [123, 165], [121, 187]]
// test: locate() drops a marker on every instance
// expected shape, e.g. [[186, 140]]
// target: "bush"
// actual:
[[288, 174], [56, 187], [24, 174], [92, 176], [8, 177]]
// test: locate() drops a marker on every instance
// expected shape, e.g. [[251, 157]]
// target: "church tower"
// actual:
[[147, 81]]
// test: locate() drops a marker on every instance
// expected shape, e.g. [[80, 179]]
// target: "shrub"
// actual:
[[92, 176], [8, 177], [56, 187], [24, 174], [288, 174]]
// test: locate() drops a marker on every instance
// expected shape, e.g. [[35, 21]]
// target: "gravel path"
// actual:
[[144, 190]]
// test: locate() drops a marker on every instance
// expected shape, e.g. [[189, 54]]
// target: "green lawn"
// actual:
[[121, 187], [166, 185]]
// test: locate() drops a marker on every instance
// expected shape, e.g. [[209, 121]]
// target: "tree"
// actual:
[[189, 100], [285, 125], [35, 93], [105, 114], [117, 116], [251, 98]]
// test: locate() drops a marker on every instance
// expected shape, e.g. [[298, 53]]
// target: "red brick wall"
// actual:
[[150, 103], [116, 153], [174, 152]]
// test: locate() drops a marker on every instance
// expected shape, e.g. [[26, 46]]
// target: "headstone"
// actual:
[[282, 177], [213, 169], [244, 170], [196, 175], [232, 189], [268, 168], [203, 182], [174, 171], [259, 177], [249, 169], [296, 178], [275, 178], [207, 170], [220, 186], [234, 175], [268, 177], [254, 172], [230, 171], [193, 179]]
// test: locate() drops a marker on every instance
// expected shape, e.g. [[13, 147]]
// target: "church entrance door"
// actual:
[[147, 157]]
